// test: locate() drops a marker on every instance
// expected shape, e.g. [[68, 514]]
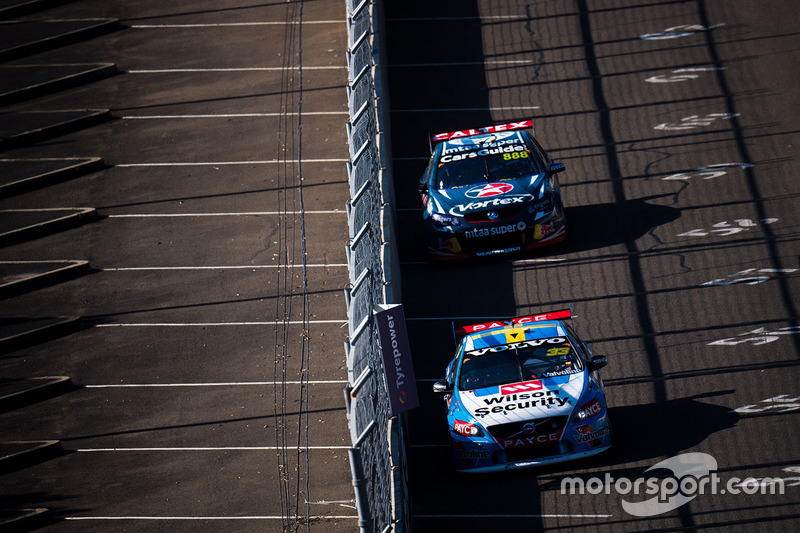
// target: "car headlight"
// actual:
[[587, 411], [544, 204], [443, 219], [467, 429]]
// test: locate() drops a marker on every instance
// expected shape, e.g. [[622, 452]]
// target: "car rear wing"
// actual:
[[485, 326], [509, 126]]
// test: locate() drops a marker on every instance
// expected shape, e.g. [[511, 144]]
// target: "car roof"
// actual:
[[473, 142], [514, 333]]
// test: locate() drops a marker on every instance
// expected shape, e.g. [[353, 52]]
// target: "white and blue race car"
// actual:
[[524, 392]]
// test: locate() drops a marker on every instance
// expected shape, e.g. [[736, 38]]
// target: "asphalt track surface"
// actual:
[[677, 121], [206, 367]]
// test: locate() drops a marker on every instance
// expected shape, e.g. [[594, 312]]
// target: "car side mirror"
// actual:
[[555, 168], [442, 387], [597, 362]]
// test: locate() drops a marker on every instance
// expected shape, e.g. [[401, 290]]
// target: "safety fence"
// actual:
[[377, 455]]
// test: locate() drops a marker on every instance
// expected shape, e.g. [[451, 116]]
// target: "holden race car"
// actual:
[[490, 190], [522, 393]]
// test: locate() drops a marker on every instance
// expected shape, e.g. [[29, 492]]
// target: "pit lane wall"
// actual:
[[377, 455]]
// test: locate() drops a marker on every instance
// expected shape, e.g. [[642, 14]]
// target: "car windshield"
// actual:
[[517, 362], [470, 167]]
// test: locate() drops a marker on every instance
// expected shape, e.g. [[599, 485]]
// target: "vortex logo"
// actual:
[[491, 189]]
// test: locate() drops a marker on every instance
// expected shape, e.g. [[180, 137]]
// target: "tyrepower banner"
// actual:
[[400, 382]]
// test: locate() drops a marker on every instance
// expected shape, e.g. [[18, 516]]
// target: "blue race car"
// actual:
[[524, 392], [491, 190]]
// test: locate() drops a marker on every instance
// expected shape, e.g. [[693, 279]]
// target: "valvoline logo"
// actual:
[[490, 189]]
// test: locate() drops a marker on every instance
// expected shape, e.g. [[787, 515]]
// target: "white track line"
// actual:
[[223, 267], [512, 18], [227, 163], [229, 214], [232, 69], [514, 262], [232, 24], [466, 63], [212, 449], [232, 115], [238, 214], [455, 109], [220, 384], [543, 260], [214, 324], [450, 516], [266, 517]]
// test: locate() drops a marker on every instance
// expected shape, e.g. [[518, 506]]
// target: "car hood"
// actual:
[[515, 402], [460, 201]]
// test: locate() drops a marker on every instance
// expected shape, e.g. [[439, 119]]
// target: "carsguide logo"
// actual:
[[693, 474], [491, 189]]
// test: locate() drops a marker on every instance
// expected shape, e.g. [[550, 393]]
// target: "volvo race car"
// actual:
[[491, 190], [522, 393]]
